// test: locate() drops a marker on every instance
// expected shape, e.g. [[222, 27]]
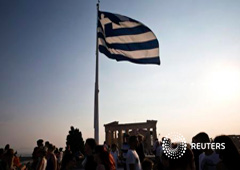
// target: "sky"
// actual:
[[47, 70]]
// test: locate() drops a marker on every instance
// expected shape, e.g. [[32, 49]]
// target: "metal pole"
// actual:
[[96, 110]]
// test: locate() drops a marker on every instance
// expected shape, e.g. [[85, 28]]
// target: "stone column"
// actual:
[[149, 140], [112, 137], [120, 139], [154, 134]]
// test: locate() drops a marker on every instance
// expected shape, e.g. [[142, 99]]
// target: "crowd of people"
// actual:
[[9, 159], [205, 158], [130, 156]]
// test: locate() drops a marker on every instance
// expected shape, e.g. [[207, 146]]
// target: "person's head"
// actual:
[[56, 151], [147, 164], [133, 142], [194, 140], [47, 144], [7, 147], [202, 137], [39, 142], [90, 146], [229, 155], [140, 138], [51, 148], [102, 156]]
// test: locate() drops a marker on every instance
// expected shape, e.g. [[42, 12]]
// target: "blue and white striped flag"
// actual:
[[122, 38]]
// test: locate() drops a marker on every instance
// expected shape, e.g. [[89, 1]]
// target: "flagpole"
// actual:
[[96, 110]]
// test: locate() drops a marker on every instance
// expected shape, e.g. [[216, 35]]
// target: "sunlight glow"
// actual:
[[223, 82]]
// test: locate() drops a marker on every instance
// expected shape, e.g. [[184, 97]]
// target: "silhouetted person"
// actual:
[[208, 159], [115, 154], [89, 163], [163, 164], [7, 147], [35, 154], [9, 158], [124, 150], [132, 160], [2, 164], [155, 146], [42, 160], [40, 143], [140, 148], [185, 162], [157, 154], [68, 162], [105, 145], [103, 158], [51, 158], [147, 164], [230, 158], [196, 152], [47, 144]]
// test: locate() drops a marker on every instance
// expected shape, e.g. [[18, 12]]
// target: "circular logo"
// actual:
[[174, 145]]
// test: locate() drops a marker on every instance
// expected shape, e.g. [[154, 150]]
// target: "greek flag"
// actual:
[[125, 39]]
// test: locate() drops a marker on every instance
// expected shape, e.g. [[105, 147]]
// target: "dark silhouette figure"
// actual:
[[209, 158], [68, 162], [132, 159], [7, 147], [196, 152], [88, 162], [103, 158], [147, 164], [230, 158], [186, 162], [140, 149]]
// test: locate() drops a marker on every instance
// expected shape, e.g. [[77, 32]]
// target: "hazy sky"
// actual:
[[47, 64]]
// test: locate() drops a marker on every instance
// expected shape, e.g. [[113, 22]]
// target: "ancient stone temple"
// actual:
[[115, 131]]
